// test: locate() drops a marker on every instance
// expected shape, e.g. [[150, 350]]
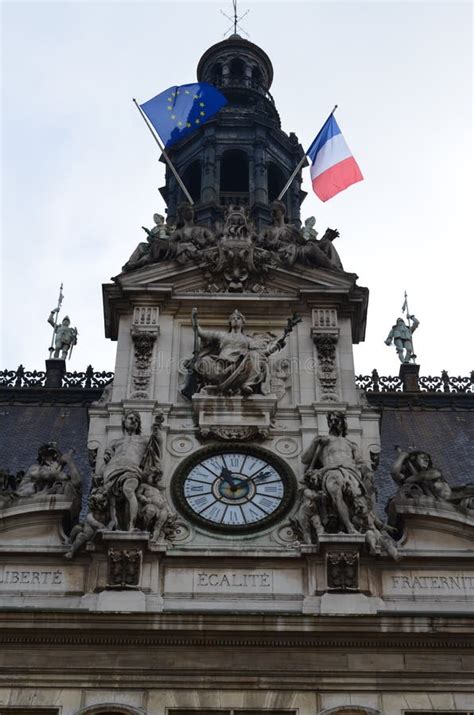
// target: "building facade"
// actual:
[[234, 533]]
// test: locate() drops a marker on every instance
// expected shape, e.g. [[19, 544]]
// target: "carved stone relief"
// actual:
[[342, 571], [124, 568], [325, 334], [144, 331]]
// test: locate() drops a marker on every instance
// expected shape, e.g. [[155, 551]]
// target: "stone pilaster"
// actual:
[[325, 335]]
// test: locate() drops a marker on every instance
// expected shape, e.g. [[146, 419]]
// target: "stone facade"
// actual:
[[298, 597]]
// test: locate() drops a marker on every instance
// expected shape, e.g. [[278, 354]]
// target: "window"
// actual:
[[237, 69], [234, 171], [276, 181], [197, 711], [192, 180]]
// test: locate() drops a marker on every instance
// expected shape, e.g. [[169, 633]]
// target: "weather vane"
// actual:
[[235, 20]]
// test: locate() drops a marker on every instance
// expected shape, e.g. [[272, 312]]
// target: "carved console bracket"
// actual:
[[325, 335], [234, 418], [144, 332]]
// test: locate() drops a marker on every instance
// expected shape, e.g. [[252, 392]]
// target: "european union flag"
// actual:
[[179, 111]]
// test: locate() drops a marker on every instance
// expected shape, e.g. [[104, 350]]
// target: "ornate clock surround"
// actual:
[[183, 471]]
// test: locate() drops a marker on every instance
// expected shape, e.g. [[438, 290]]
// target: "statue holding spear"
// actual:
[[402, 335], [64, 337]]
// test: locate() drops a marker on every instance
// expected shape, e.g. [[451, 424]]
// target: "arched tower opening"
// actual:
[[276, 181], [192, 178], [234, 184]]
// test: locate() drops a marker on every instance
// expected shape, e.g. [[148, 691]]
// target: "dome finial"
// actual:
[[235, 22]]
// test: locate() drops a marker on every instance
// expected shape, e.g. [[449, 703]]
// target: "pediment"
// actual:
[[174, 279], [167, 281]]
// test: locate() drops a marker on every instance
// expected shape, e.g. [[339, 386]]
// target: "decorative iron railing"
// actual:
[[370, 383], [443, 383], [26, 378]]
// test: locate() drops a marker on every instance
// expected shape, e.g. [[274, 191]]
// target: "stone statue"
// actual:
[[377, 534], [337, 492], [156, 247], [65, 337], [415, 476], [234, 363], [335, 465], [96, 520], [308, 231], [326, 244], [153, 507], [49, 476], [280, 237], [132, 458], [401, 334], [423, 485], [188, 238]]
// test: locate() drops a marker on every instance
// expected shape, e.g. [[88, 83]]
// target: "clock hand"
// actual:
[[259, 477], [226, 475]]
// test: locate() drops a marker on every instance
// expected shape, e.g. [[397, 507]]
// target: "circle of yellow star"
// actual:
[[201, 104], [197, 121], [196, 96], [180, 124], [186, 91], [169, 108], [188, 124], [203, 114], [173, 116]]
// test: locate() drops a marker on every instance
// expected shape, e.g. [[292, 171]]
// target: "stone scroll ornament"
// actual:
[[127, 493], [337, 494], [423, 485], [232, 363], [234, 257]]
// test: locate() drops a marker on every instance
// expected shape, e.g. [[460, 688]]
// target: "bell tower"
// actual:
[[241, 156]]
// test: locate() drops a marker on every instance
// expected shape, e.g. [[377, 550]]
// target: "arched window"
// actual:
[[276, 181], [350, 710], [237, 68], [192, 180], [110, 709], [216, 74], [235, 171], [257, 79]]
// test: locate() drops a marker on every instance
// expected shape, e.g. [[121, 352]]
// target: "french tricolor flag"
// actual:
[[333, 167]]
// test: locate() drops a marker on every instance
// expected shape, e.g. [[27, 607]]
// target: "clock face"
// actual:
[[233, 489]]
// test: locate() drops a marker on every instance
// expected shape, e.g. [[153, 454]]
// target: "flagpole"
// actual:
[[300, 164], [162, 149]]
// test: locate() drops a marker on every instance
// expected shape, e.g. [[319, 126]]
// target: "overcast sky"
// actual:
[[80, 170]]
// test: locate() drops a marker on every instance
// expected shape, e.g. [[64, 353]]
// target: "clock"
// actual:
[[233, 489]]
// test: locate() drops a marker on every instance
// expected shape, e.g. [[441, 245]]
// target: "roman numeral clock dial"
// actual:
[[233, 490]]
